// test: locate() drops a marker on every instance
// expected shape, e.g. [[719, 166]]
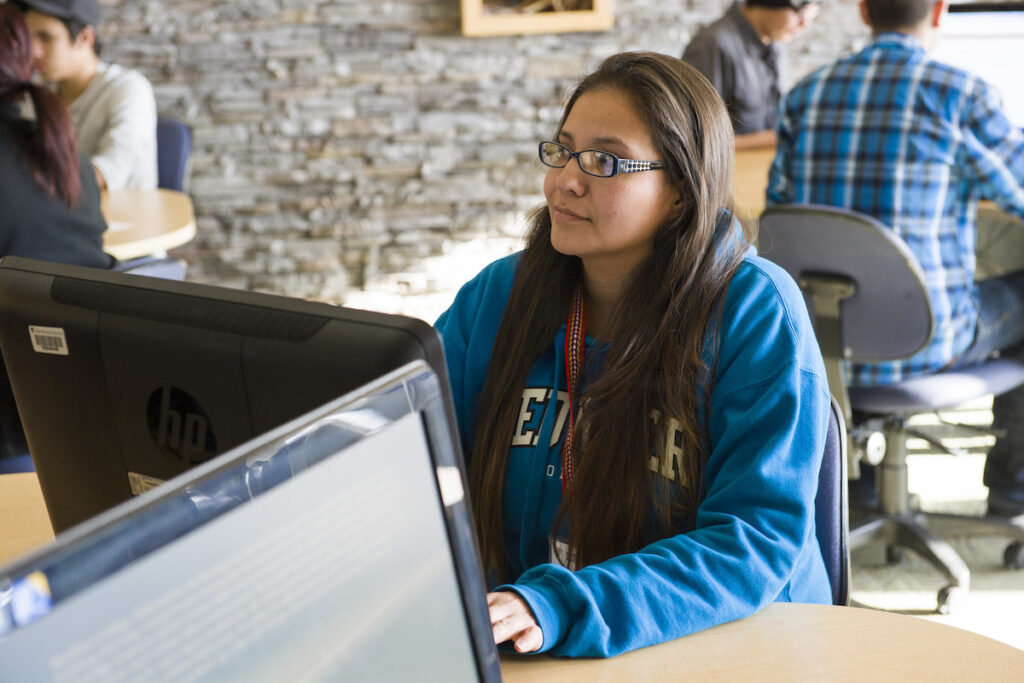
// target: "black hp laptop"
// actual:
[[123, 381]]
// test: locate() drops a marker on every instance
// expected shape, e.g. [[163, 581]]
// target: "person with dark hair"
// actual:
[[50, 199], [113, 108], [915, 143], [51, 205], [742, 55], [641, 397]]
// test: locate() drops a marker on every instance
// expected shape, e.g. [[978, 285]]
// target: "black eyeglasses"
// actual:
[[593, 161]]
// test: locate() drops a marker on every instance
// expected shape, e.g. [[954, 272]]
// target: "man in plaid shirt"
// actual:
[[916, 143]]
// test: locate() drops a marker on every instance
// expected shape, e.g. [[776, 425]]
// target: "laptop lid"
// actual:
[[123, 381], [337, 547]]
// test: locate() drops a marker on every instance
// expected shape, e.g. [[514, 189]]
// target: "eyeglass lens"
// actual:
[[594, 162]]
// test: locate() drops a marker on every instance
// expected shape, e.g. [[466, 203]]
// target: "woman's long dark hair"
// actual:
[[48, 147], [659, 331]]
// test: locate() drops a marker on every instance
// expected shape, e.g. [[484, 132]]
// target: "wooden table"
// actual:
[[750, 180], [793, 642], [24, 523], [143, 222], [783, 642], [1000, 246]]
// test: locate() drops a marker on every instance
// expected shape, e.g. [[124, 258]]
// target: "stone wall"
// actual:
[[343, 145]]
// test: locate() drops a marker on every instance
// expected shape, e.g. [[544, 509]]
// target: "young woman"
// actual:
[[49, 202], [641, 397]]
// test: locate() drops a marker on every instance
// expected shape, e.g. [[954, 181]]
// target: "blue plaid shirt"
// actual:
[[914, 143]]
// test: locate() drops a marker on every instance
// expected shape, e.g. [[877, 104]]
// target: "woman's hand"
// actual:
[[511, 619]]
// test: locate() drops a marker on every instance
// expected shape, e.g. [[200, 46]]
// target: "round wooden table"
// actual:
[[750, 180], [143, 222], [24, 524], [794, 642]]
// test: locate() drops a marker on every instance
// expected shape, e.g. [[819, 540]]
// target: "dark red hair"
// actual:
[[48, 147]]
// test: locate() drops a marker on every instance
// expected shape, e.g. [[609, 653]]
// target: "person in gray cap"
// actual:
[[113, 108], [741, 54]]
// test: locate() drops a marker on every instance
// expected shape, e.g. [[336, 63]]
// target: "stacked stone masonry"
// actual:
[[340, 144]]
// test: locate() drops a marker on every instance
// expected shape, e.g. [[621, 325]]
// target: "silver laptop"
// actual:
[[336, 547]]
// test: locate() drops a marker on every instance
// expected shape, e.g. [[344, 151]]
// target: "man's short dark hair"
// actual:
[[892, 15]]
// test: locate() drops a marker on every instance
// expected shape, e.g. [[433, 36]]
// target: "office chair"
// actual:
[[831, 517], [867, 296], [17, 463], [173, 150]]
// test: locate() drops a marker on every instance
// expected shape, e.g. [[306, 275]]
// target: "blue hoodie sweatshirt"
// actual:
[[753, 542]]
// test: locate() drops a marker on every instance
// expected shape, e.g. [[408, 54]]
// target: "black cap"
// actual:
[[85, 11], [790, 4]]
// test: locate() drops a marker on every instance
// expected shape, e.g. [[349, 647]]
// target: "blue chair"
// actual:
[[867, 296], [831, 518], [173, 150], [17, 463]]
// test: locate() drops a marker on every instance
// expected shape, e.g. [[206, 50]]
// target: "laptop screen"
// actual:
[[985, 38], [337, 547]]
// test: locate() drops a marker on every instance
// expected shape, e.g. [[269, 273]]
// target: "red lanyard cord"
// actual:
[[575, 331]]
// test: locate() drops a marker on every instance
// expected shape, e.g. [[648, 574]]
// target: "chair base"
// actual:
[[910, 530]]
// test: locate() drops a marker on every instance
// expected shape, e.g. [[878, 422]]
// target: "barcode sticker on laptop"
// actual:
[[48, 340]]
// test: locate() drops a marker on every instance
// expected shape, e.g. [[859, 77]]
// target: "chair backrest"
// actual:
[[173, 149], [889, 314], [831, 516]]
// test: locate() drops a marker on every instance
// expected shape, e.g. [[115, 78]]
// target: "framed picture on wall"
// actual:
[[509, 17]]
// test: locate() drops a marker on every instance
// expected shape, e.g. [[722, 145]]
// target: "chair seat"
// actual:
[[941, 390]]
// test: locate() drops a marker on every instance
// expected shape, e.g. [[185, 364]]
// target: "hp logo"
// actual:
[[179, 426]]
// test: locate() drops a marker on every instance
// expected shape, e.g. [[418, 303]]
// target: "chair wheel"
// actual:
[[950, 599], [1013, 556]]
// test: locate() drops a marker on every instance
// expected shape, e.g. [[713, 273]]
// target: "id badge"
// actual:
[[558, 553]]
